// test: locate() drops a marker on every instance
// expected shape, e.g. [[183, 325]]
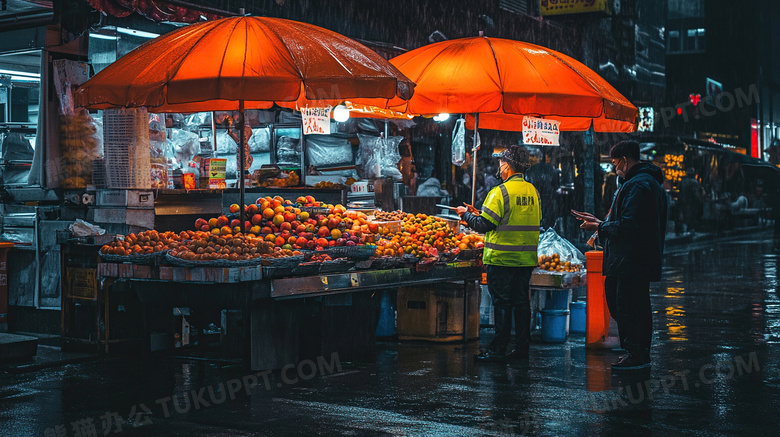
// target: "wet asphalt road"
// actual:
[[715, 372]]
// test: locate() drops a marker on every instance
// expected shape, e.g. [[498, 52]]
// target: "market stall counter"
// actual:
[[280, 321]]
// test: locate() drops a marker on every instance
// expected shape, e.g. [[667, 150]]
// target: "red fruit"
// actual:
[[285, 226], [256, 219], [322, 242], [266, 230], [300, 229], [309, 199], [331, 243], [247, 225], [300, 199], [302, 242], [252, 208], [290, 216], [351, 243], [292, 239], [200, 222], [235, 222], [234, 208], [323, 231], [280, 241], [285, 234], [222, 221], [205, 228]]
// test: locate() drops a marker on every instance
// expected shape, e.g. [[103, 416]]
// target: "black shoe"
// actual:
[[630, 362], [490, 356]]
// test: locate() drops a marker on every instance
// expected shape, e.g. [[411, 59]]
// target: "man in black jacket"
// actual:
[[634, 232]]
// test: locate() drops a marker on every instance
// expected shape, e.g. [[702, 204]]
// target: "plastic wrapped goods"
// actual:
[[326, 150], [459, 143], [378, 157], [79, 145]]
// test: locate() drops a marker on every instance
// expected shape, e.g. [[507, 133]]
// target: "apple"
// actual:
[[252, 208], [268, 213], [322, 242], [280, 241], [301, 242], [309, 199], [235, 222], [200, 222], [285, 226], [234, 208], [335, 234], [323, 231], [225, 230], [300, 229], [340, 242], [222, 221], [213, 222], [289, 216], [247, 225], [256, 219], [266, 230], [331, 243], [278, 219], [205, 228], [350, 243], [310, 244]]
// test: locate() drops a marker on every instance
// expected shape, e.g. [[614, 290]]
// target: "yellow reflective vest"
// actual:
[[515, 210]]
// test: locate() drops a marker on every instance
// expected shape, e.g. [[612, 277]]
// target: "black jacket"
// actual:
[[635, 230]]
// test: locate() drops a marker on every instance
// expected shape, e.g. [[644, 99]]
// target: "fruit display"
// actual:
[[145, 242], [389, 216], [327, 184], [287, 179], [553, 263], [207, 246], [79, 146], [286, 225], [425, 236]]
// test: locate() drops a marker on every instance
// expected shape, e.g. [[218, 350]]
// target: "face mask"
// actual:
[[498, 174], [621, 173]]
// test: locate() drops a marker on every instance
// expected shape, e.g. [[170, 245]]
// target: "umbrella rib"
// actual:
[[603, 104], [498, 70], [286, 47]]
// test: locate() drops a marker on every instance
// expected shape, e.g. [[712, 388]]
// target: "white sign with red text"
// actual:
[[316, 120], [540, 132]]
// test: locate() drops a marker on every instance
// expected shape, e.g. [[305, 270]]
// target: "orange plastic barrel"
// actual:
[[596, 313]]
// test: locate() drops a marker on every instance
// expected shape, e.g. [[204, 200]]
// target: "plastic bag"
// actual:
[[260, 141], [551, 244], [80, 228], [459, 143], [378, 157]]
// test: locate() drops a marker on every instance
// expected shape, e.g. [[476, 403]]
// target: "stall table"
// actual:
[[282, 320]]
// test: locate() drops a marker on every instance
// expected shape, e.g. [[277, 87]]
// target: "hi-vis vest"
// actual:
[[514, 208]]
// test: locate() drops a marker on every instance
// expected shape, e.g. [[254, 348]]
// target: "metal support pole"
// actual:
[[241, 159], [474, 161], [589, 177]]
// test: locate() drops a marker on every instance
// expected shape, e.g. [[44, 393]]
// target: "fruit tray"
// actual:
[[211, 263], [147, 259], [353, 253], [336, 266]]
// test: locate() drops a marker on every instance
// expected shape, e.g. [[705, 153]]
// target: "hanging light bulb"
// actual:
[[441, 117], [341, 113]]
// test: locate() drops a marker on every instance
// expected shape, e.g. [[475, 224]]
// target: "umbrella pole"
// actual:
[[474, 161], [241, 159]]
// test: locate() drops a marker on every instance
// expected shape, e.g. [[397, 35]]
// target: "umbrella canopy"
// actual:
[[501, 79], [210, 66]]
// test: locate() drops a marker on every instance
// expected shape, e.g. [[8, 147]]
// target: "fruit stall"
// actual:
[[294, 278]]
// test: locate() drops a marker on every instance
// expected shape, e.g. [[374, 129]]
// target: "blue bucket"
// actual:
[[555, 325], [557, 299], [386, 325], [577, 321]]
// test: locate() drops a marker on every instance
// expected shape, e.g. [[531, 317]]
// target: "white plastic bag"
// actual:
[[459, 143]]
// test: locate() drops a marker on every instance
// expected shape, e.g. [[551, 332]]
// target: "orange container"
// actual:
[[596, 314]]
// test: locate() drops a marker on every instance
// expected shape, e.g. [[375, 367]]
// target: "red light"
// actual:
[[695, 98], [679, 111]]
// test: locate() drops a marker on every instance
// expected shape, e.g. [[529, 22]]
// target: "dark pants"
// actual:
[[628, 300], [508, 287]]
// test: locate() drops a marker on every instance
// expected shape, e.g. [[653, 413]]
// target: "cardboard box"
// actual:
[[547, 279], [108, 270], [81, 282], [125, 270], [142, 272], [166, 273]]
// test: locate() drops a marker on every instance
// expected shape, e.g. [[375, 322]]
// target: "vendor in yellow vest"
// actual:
[[510, 219]]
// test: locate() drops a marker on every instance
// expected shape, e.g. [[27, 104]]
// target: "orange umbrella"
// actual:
[[500, 81], [244, 63], [210, 66]]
